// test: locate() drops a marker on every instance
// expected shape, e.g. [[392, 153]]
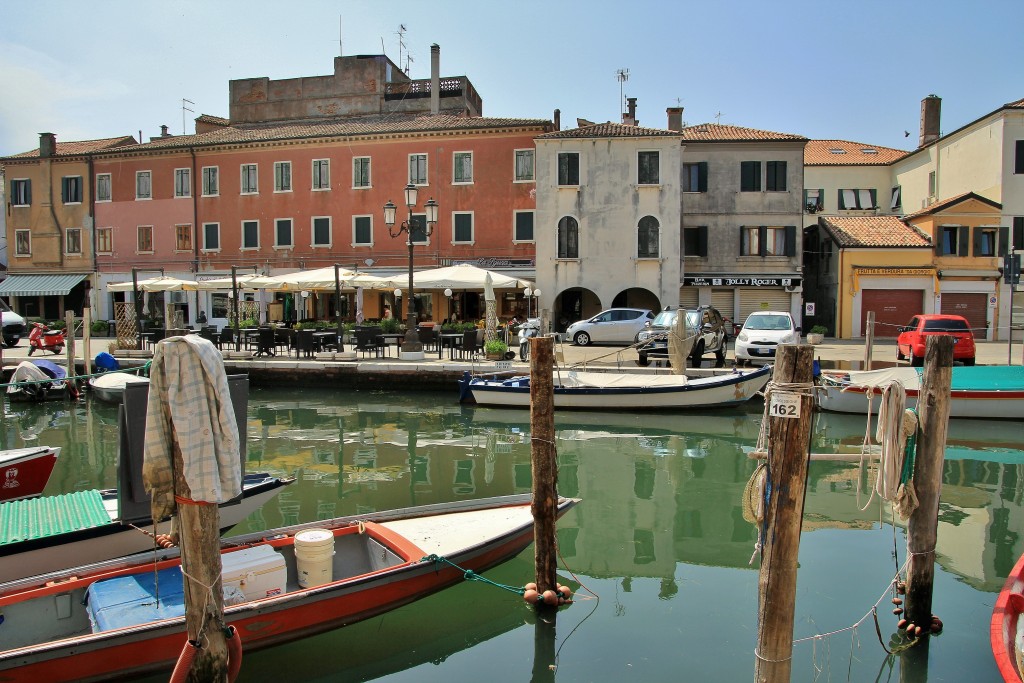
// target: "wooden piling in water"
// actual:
[[790, 413], [69, 342], [199, 530], [922, 527], [869, 340], [542, 455]]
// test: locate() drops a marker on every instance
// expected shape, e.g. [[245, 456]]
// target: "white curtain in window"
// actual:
[[865, 199], [850, 199]]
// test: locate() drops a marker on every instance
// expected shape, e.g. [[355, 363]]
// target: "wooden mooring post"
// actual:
[[69, 342], [542, 455], [869, 340], [790, 413], [922, 527]]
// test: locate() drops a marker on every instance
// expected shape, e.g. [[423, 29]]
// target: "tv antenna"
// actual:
[[623, 76], [401, 44], [183, 110], [718, 118], [341, 34]]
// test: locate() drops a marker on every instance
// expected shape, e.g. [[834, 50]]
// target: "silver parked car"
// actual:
[[12, 323], [613, 326]]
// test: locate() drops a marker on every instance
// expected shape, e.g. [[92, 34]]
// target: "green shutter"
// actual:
[[743, 247], [874, 199], [842, 202], [1004, 240], [762, 238], [963, 241], [1018, 233], [790, 240], [702, 240], [702, 180]]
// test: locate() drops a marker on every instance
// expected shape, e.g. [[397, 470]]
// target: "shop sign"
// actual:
[[901, 272], [741, 281]]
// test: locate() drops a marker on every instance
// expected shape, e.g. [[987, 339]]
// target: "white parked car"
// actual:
[[762, 333], [13, 325], [614, 326]]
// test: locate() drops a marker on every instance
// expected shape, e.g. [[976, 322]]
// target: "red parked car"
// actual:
[[910, 343]]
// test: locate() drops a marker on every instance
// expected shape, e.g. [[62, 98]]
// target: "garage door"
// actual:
[[893, 308], [757, 299], [970, 305], [688, 297], [722, 300]]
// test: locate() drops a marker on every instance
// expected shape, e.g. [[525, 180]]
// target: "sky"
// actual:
[[823, 69]]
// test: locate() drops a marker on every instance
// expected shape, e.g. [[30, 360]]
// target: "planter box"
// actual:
[[815, 338]]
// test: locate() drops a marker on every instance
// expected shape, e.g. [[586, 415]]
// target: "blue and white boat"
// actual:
[[622, 390]]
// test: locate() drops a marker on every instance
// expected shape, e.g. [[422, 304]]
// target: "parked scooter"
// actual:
[[42, 337], [530, 328]]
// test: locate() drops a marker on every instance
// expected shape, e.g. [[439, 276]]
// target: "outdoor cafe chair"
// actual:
[[368, 340]]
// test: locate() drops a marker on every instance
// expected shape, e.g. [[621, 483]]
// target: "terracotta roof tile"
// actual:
[[952, 201], [75, 148], [846, 153], [873, 231], [1019, 104], [369, 125], [215, 120], [609, 130], [713, 132]]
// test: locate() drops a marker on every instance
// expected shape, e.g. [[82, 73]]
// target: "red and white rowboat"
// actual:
[[25, 471], [1007, 632], [381, 561]]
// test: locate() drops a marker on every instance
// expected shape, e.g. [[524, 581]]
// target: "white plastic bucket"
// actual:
[[314, 556]]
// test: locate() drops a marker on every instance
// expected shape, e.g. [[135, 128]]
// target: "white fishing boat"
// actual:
[[109, 386], [622, 390], [981, 391]]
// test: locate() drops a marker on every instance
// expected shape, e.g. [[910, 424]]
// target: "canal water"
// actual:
[[660, 542]]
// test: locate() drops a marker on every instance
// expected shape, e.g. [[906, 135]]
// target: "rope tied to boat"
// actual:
[[470, 575]]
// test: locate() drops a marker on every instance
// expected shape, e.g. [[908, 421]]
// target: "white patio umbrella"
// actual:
[[461, 276], [160, 283], [247, 281], [324, 279]]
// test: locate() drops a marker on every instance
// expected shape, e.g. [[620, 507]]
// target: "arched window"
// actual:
[[568, 238], [647, 238]]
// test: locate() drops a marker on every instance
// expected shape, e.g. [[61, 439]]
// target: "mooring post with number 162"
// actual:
[[790, 412]]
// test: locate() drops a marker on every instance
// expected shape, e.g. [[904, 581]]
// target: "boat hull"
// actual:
[[1007, 629], [716, 391], [294, 614], [91, 545], [843, 395], [109, 387], [25, 471]]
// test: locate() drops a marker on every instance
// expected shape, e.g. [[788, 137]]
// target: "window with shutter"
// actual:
[[750, 176]]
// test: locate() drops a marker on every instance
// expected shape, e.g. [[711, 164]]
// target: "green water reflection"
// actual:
[[660, 536]]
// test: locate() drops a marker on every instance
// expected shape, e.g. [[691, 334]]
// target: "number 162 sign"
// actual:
[[784, 405]]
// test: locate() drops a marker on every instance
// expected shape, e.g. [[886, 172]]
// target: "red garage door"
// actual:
[[969, 305], [892, 307]]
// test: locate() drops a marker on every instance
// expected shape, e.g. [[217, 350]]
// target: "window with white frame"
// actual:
[[143, 185], [211, 237], [568, 238], [103, 193], [568, 168], [250, 179], [524, 166], [23, 242], [362, 231], [211, 181], [144, 239], [183, 182], [183, 237], [73, 242], [321, 174], [21, 192], [360, 172], [250, 234], [320, 230], [858, 199], [105, 241], [418, 234], [648, 168], [418, 169], [282, 176], [462, 164], [71, 189], [522, 226], [814, 200], [283, 233], [462, 227], [648, 236]]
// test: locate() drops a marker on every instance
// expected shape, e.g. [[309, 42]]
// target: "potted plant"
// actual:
[[100, 327], [389, 325], [495, 349], [817, 334]]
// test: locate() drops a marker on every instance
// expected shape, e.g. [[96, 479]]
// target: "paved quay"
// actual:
[[441, 374]]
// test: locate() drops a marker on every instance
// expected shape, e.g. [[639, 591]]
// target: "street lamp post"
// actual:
[[412, 344], [528, 293], [448, 310]]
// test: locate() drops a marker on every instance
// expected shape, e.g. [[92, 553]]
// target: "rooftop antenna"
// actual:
[[341, 26], [401, 43], [183, 110], [623, 76], [718, 118]]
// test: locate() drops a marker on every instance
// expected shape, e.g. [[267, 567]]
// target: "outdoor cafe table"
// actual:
[[395, 337], [320, 339], [447, 339]]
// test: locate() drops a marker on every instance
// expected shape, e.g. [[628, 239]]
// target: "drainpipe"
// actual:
[[195, 219], [92, 218]]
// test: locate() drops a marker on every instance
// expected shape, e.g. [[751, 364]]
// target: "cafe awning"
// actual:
[[40, 285]]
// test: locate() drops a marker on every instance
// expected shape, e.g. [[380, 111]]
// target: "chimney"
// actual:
[[47, 144], [435, 78], [629, 118], [931, 107], [163, 132], [558, 119], [675, 118]]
